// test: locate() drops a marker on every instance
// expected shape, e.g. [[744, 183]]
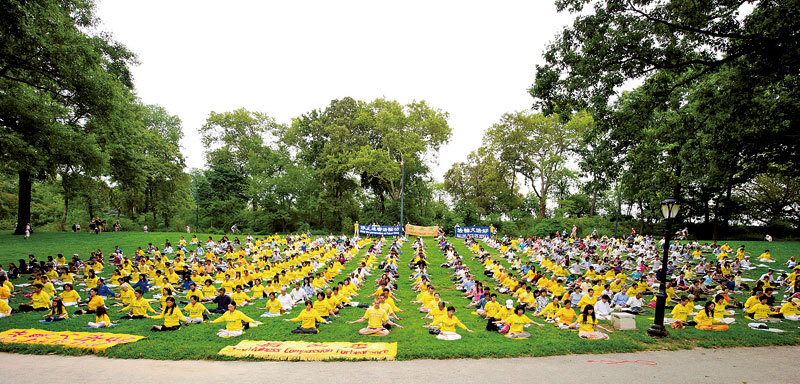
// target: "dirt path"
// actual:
[[733, 365]]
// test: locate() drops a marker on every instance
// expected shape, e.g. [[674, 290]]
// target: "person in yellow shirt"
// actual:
[[448, 325], [790, 310], [439, 311], [309, 318], [40, 301], [95, 300], [235, 322], [766, 256], [193, 291], [587, 299], [58, 312], [516, 324], [322, 307], [566, 316], [172, 316], [91, 279], [240, 297], [209, 291], [196, 311], [586, 323], [125, 294], [377, 318], [48, 287], [69, 296], [680, 312], [491, 308], [705, 319], [5, 309], [549, 310], [101, 319], [138, 307], [762, 311], [273, 307]]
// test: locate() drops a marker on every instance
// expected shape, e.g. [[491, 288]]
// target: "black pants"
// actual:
[[218, 310], [305, 330], [30, 308], [84, 311], [165, 328], [129, 317]]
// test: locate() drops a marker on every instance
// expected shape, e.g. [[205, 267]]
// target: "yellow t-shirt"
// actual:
[[274, 306], [565, 316], [195, 310], [789, 309], [233, 321], [517, 323], [588, 325], [172, 319], [41, 300], [376, 317], [491, 308], [448, 324], [70, 296], [139, 307], [308, 319], [680, 312]]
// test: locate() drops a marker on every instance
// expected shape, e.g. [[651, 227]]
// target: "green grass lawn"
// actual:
[[414, 342]]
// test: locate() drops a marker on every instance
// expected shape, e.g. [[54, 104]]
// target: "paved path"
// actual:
[[729, 366]]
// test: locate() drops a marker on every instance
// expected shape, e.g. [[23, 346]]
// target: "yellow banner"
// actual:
[[416, 230], [301, 350], [89, 340]]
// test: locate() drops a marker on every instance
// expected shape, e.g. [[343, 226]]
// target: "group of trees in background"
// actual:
[[709, 116]]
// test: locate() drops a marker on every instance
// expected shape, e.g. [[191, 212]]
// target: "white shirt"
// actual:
[[633, 302], [298, 295], [286, 300], [602, 308]]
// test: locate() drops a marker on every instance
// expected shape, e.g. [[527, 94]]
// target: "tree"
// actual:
[[718, 83], [238, 140], [353, 143], [536, 147], [61, 85], [483, 181]]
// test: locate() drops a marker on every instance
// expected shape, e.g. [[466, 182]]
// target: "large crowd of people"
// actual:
[[568, 282]]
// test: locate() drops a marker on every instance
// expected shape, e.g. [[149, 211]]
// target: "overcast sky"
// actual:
[[474, 60]]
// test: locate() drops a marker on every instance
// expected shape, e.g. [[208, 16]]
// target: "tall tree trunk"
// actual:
[[66, 211], [542, 207], [24, 199], [594, 203], [90, 206]]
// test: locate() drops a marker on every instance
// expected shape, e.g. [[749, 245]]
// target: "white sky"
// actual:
[[472, 59]]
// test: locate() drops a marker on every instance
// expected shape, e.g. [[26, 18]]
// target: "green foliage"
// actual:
[[711, 111], [484, 182], [535, 147]]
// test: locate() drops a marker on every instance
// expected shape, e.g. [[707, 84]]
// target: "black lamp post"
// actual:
[[669, 208]]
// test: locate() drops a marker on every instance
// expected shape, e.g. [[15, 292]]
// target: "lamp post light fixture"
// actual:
[[669, 208]]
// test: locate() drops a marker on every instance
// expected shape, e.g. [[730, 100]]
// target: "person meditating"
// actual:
[[377, 317], [309, 318]]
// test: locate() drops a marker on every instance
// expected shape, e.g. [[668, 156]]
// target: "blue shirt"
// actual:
[[621, 298], [103, 290]]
